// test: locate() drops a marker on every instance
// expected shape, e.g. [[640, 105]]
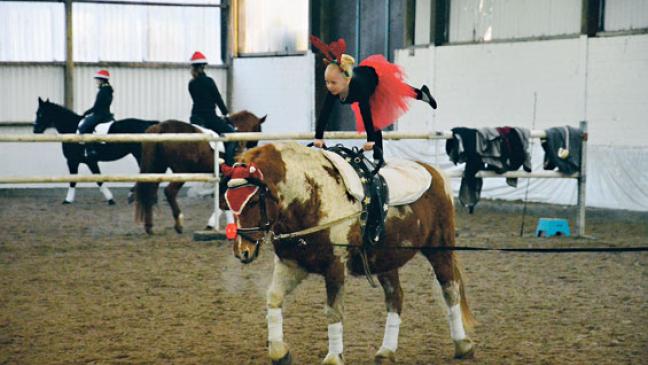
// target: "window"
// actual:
[[272, 26]]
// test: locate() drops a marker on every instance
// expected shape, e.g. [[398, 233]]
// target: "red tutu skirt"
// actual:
[[390, 99]]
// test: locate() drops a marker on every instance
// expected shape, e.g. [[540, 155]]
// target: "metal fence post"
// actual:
[[582, 183]]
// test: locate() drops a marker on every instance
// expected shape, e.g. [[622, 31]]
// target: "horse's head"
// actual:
[[254, 204], [43, 116], [244, 121]]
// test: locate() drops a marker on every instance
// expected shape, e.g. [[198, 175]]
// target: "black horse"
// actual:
[[66, 121]]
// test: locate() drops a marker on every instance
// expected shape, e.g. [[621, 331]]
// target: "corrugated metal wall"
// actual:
[[157, 94], [20, 87], [149, 93], [31, 32], [135, 33], [485, 20], [626, 14]]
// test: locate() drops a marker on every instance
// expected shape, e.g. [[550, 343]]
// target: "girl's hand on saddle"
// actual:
[[319, 143], [368, 146]]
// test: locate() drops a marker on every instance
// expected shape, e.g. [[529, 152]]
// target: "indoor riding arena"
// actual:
[[509, 182]]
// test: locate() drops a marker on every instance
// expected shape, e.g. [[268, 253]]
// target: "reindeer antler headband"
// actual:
[[332, 52]]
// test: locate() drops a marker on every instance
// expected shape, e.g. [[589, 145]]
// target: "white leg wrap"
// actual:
[[106, 193], [457, 332], [70, 195], [392, 326], [335, 338], [275, 325], [212, 220], [229, 216]]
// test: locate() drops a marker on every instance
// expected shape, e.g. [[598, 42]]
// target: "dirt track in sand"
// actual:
[[82, 284]]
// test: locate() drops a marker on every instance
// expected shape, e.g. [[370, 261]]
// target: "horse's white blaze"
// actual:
[[70, 195], [229, 216], [336, 345], [457, 332], [106, 193], [392, 327]]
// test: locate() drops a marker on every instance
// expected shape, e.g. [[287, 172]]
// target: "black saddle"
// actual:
[[375, 203]]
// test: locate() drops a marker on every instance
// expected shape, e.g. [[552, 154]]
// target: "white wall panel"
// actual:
[[20, 87], [626, 14], [485, 20], [281, 87], [135, 33], [617, 89], [32, 32]]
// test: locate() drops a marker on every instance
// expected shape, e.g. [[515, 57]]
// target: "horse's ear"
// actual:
[[47, 100], [40, 101], [263, 119]]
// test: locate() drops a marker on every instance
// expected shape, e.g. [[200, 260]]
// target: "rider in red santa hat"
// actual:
[[206, 97], [100, 111]]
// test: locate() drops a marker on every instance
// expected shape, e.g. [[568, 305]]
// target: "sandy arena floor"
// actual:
[[82, 284]]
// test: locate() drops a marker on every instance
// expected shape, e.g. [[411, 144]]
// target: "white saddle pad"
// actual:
[[101, 129], [406, 180], [221, 147]]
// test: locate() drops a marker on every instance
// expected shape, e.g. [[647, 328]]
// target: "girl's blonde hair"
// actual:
[[345, 65]]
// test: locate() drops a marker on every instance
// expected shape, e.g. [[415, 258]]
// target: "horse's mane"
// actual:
[[56, 108]]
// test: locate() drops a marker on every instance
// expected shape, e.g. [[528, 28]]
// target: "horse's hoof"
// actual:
[[464, 349], [209, 228], [65, 202], [332, 359], [384, 356], [111, 202], [286, 360], [178, 229]]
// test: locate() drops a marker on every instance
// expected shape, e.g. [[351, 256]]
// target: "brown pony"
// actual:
[[180, 157], [298, 189]]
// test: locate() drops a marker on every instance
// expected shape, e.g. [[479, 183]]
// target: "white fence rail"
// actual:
[[196, 137]]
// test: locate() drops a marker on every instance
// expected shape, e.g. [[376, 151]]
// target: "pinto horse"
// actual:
[[181, 157], [66, 121], [289, 189]]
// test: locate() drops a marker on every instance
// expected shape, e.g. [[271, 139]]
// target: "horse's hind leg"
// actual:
[[94, 167], [448, 274], [390, 282], [285, 279], [171, 193], [73, 166]]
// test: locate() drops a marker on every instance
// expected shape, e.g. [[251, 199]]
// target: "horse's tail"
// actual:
[[152, 161], [466, 314]]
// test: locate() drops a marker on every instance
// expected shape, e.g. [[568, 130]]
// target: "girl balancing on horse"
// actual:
[[206, 97], [100, 111], [375, 89]]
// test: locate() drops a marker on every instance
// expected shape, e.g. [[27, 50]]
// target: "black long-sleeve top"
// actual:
[[362, 86], [103, 101], [205, 95]]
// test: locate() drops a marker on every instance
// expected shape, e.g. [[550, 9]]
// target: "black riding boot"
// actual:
[[230, 152], [376, 219]]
